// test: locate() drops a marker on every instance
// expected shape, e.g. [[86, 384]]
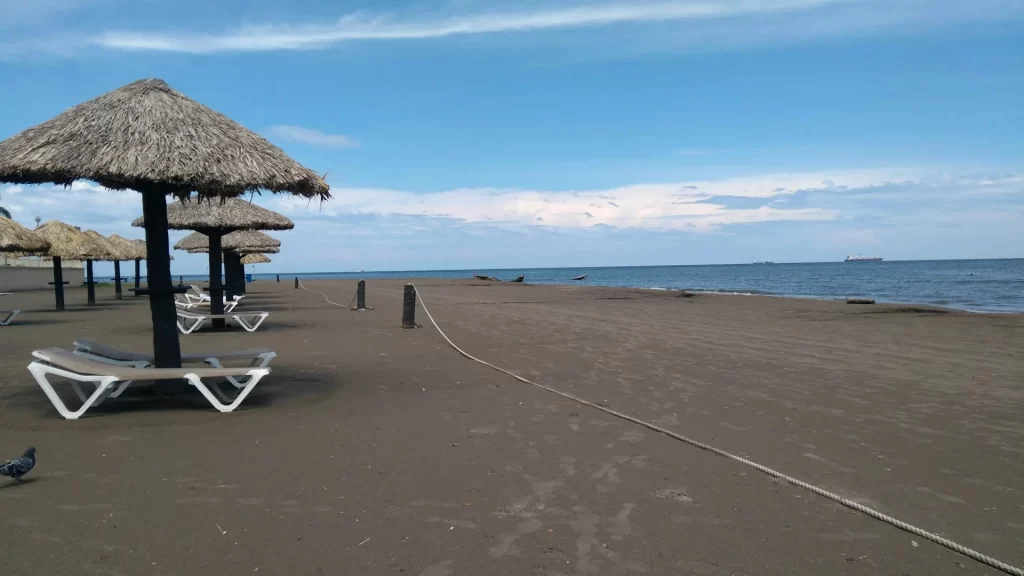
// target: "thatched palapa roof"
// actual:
[[258, 258], [235, 241], [68, 242], [106, 251], [229, 214], [146, 136], [17, 239], [128, 249]]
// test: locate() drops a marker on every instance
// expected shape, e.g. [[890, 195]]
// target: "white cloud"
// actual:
[[312, 137], [364, 27], [670, 206]]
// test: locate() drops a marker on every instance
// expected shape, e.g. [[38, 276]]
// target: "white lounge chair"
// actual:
[[258, 358], [9, 318], [197, 293], [229, 305], [78, 369], [190, 320]]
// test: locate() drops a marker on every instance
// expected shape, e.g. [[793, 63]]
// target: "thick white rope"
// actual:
[[349, 305], [819, 491]]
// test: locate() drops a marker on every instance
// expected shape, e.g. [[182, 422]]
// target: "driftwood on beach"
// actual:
[[486, 278], [520, 278], [860, 301]]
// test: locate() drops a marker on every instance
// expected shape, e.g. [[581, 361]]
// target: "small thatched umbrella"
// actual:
[[127, 250], [140, 254], [66, 243], [106, 252], [215, 220], [17, 239], [255, 258], [233, 245], [147, 137]]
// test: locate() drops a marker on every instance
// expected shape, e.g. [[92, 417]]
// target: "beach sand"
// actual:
[[376, 450]]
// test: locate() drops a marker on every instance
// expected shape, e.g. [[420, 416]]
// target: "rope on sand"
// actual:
[[349, 305], [987, 560]]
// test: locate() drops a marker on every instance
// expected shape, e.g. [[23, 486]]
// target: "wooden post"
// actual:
[[409, 307], [216, 287], [166, 348], [278, 278], [361, 295], [296, 282], [117, 279], [137, 272], [90, 288], [179, 277], [58, 283]]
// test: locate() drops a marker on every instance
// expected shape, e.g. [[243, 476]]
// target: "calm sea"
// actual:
[[976, 285]]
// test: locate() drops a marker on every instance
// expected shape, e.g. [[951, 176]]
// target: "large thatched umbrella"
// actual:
[[66, 243], [147, 137], [233, 245], [17, 239], [215, 220]]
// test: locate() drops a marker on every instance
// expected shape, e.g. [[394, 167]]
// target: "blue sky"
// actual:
[[477, 134]]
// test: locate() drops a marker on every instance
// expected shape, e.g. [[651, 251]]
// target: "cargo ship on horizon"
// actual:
[[859, 258]]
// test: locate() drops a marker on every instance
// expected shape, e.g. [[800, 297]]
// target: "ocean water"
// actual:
[[974, 285]]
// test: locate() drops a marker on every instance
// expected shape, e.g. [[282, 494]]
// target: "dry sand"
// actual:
[[376, 450]]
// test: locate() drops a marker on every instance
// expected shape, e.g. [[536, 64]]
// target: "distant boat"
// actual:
[[583, 277], [764, 262], [360, 270], [859, 258]]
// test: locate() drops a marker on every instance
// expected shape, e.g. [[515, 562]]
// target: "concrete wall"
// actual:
[[17, 278]]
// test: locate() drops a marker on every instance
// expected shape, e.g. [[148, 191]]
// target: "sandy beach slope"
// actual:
[[377, 450]]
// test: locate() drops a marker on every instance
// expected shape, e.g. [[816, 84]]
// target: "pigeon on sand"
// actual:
[[19, 466]]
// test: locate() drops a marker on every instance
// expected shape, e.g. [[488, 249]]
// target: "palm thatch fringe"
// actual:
[[248, 239], [224, 215], [17, 239], [146, 136]]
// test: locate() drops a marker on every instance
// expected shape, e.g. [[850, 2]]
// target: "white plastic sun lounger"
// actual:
[[258, 358], [9, 318], [199, 295], [78, 369], [229, 305], [189, 320]]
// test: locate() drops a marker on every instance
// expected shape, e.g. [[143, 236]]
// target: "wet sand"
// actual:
[[376, 450]]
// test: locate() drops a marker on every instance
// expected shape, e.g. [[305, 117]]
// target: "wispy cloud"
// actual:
[[312, 137], [700, 205], [367, 27]]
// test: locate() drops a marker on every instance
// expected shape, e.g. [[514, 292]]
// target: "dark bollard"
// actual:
[[278, 278], [179, 281], [296, 282], [409, 307], [361, 295]]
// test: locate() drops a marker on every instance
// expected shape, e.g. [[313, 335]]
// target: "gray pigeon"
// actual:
[[19, 466]]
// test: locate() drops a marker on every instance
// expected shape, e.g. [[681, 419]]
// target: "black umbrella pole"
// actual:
[[229, 276], [166, 349], [90, 286], [58, 283], [117, 280], [216, 287], [137, 272]]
